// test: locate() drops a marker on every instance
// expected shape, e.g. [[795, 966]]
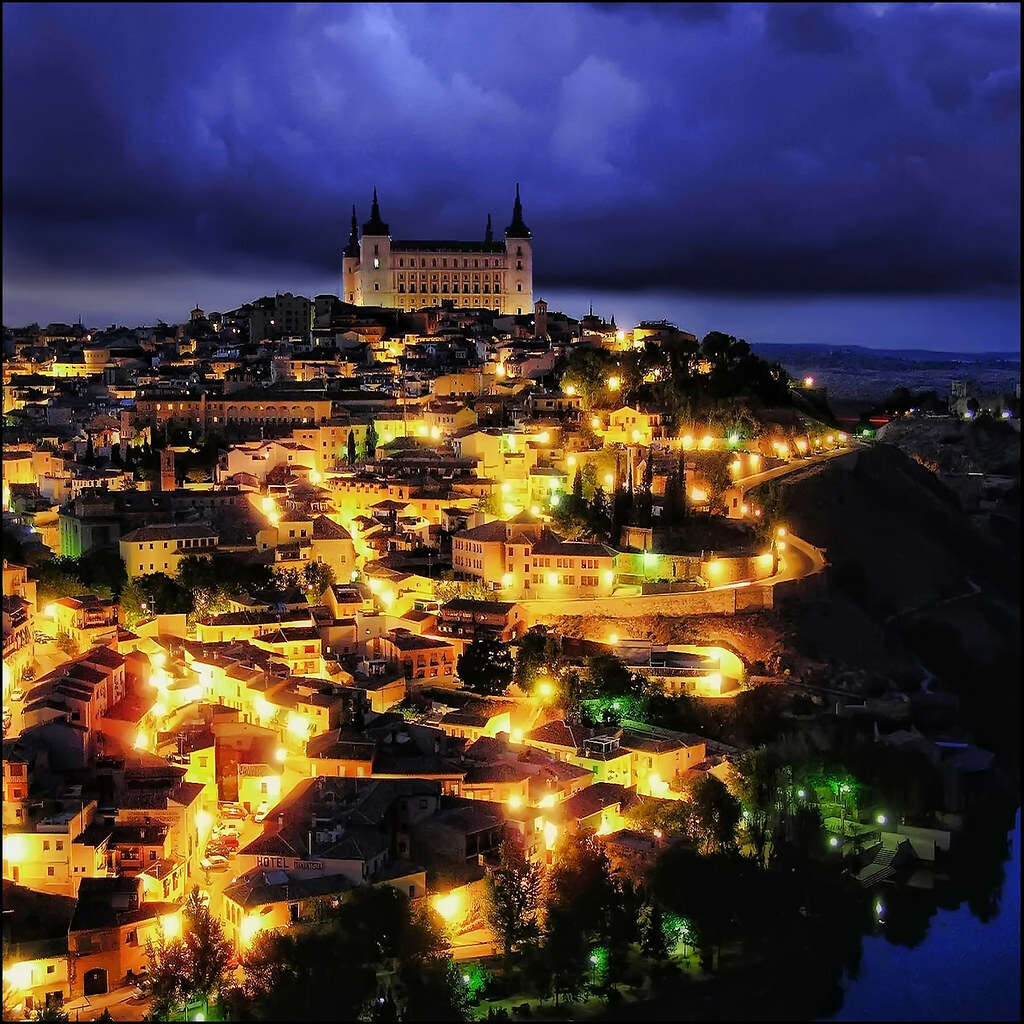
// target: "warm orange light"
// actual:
[[545, 689], [449, 906], [515, 801], [696, 494]]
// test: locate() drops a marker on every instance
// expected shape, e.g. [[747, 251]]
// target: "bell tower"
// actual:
[[350, 265], [519, 255], [375, 259]]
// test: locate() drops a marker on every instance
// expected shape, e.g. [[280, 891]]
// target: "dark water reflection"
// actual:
[[962, 964]]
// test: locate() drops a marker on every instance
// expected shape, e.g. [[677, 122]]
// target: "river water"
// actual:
[[963, 970]]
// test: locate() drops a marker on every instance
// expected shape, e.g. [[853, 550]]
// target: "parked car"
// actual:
[[229, 810], [227, 842], [227, 828], [261, 812], [216, 862]]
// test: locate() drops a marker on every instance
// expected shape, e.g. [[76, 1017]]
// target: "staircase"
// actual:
[[881, 866]]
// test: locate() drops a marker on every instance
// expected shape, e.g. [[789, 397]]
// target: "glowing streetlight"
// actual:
[[808, 382], [614, 383]]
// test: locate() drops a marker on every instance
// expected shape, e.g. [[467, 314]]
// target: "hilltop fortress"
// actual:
[[380, 271]]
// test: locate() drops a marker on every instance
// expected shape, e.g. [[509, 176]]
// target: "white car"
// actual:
[[261, 812], [215, 862]]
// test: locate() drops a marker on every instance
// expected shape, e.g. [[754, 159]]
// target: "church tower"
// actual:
[[350, 265], [375, 259], [519, 252]]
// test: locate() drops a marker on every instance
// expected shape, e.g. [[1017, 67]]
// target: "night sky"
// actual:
[[840, 174]]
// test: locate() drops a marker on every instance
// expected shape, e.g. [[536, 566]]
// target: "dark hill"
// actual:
[[896, 537]]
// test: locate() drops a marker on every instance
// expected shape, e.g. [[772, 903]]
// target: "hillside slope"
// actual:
[[895, 537]]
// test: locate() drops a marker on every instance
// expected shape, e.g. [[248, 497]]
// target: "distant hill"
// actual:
[[777, 351], [869, 374]]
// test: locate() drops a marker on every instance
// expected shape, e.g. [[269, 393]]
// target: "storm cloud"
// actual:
[[210, 151]]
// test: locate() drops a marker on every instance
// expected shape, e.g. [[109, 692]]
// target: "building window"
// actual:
[[376, 286], [376, 263]]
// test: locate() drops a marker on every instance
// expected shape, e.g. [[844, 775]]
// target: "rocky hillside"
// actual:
[[896, 537]]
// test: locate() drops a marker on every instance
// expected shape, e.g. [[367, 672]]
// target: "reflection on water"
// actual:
[[959, 966]]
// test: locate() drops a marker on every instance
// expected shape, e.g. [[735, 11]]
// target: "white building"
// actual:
[[379, 271]]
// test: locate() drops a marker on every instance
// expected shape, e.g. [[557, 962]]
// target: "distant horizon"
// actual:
[[946, 324]]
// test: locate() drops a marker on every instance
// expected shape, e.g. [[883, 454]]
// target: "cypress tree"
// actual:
[[351, 448]]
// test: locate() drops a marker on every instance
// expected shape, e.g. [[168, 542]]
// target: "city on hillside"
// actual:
[[483, 607], [581, 583]]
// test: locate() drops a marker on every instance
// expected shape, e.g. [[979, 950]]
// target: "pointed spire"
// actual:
[[489, 233], [518, 228], [375, 225], [352, 248]]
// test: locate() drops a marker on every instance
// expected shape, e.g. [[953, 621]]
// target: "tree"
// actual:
[[197, 474], [514, 890], [66, 643], [90, 454], [207, 951], [537, 650], [316, 578], [50, 1012], [351, 448], [486, 664], [370, 442], [715, 813], [761, 788], [654, 944], [577, 488]]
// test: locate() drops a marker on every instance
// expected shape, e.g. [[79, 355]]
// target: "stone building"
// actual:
[[380, 271]]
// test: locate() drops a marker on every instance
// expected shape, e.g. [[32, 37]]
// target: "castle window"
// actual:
[[401, 262], [401, 287], [465, 263], [519, 250], [433, 263], [444, 287], [487, 289], [376, 286], [476, 263], [519, 287], [376, 250], [376, 263], [519, 264], [423, 263], [476, 289]]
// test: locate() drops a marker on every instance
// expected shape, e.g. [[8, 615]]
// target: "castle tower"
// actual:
[[375, 259], [519, 252], [168, 480], [540, 319], [350, 264]]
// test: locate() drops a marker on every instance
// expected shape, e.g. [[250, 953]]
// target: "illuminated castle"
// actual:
[[380, 271]]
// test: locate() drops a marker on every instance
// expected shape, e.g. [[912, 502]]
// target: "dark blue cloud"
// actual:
[[752, 149]]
